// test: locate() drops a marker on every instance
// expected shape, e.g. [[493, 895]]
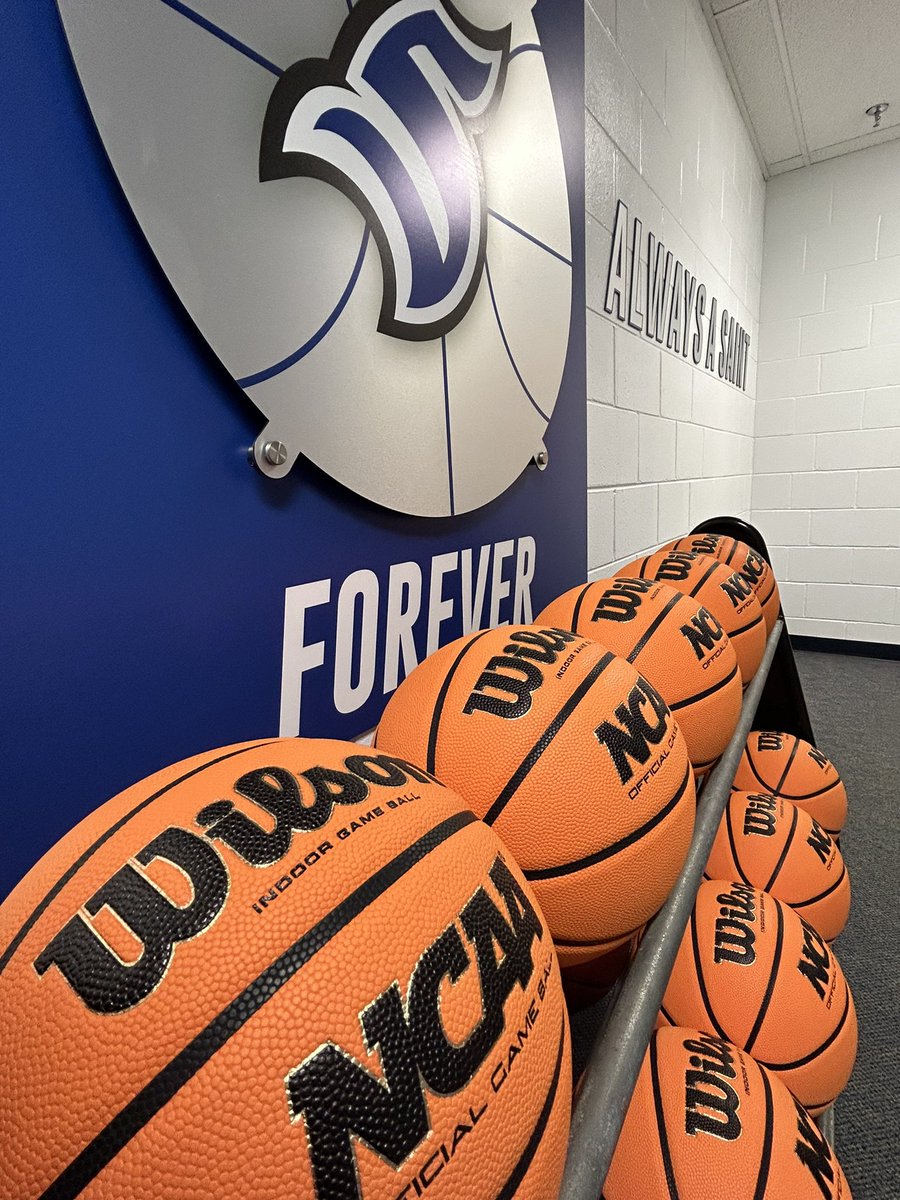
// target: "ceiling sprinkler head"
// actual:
[[877, 111]]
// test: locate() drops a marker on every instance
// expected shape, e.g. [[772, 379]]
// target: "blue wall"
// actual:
[[144, 562]]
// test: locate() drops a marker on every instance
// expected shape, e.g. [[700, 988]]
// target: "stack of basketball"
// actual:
[[367, 942]]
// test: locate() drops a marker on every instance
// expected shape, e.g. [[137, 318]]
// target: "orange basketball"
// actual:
[[706, 1122], [750, 970], [741, 558], [769, 843], [720, 590], [674, 642], [787, 766], [238, 978], [572, 756]]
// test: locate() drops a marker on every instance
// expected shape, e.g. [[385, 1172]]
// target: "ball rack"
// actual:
[[774, 700]]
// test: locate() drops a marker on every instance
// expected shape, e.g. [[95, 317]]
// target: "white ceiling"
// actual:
[[805, 71]]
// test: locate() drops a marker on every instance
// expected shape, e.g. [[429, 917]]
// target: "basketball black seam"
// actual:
[[770, 985], [441, 700], [784, 850], [765, 600], [693, 592], [72, 870], [801, 1062], [667, 1015], [591, 860], [509, 788], [743, 629], [788, 764], [703, 695], [814, 795], [668, 1167], [652, 628], [576, 611], [518, 1172], [154, 1095], [734, 546], [644, 562], [766, 788], [765, 1158], [821, 895], [734, 853], [701, 982]]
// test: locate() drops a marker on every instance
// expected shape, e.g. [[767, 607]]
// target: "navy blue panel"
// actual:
[[144, 561]]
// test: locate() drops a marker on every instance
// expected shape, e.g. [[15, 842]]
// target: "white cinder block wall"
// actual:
[[826, 483], [668, 444]]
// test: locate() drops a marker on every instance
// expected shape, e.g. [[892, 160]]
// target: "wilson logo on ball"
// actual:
[[621, 601], [514, 674], [390, 120], [341, 1101], [734, 938], [710, 1102], [759, 816], [287, 804]]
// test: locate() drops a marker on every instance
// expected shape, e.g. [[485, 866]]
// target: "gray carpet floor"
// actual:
[[854, 705]]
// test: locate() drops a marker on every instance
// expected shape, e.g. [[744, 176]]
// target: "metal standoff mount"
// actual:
[[542, 459], [272, 456]]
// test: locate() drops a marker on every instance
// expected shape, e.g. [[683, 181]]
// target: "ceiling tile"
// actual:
[[751, 44], [845, 56]]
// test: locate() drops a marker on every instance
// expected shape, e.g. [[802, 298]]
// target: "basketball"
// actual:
[[752, 971], [767, 842], [572, 756], [721, 591], [787, 766], [741, 558], [238, 977], [706, 1122], [674, 642]]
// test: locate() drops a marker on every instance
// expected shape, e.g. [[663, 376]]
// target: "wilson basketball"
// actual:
[[706, 1122], [752, 971], [741, 558], [769, 843], [572, 756], [674, 642], [721, 591], [787, 766], [238, 977]]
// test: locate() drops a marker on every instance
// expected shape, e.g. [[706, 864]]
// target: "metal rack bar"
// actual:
[[618, 1052]]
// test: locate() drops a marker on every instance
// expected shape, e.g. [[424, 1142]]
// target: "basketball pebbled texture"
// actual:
[[674, 642], [741, 558], [752, 971], [706, 1122], [721, 590], [788, 766], [769, 843], [571, 756], [230, 1058]]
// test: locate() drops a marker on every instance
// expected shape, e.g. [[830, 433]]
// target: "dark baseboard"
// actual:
[[845, 646]]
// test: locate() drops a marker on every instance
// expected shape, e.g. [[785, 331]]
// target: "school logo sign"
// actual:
[[366, 214]]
